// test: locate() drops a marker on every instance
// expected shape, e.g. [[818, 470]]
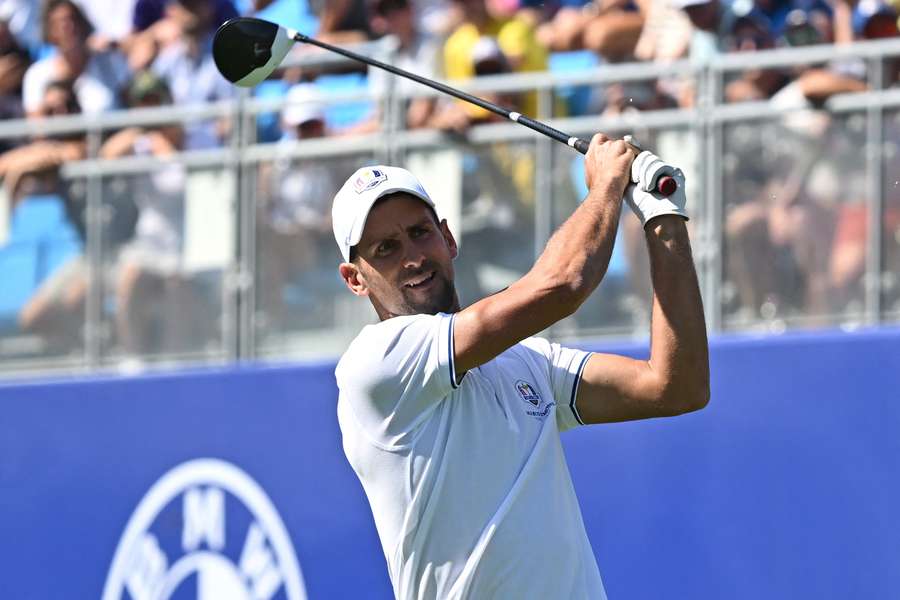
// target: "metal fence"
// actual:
[[795, 217]]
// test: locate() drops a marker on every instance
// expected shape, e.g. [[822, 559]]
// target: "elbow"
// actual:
[[685, 398], [563, 292]]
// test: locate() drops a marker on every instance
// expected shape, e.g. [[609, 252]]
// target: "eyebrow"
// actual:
[[426, 220]]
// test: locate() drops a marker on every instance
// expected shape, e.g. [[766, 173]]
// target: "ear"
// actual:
[[353, 279], [448, 237]]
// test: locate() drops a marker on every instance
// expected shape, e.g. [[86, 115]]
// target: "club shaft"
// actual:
[[577, 143]]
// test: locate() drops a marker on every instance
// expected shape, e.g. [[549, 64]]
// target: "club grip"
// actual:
[[665, 185]]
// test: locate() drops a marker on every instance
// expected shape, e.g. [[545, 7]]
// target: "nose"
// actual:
[[413, 257]]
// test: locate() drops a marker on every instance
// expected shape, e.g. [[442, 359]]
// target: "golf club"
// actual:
[[248, 50]]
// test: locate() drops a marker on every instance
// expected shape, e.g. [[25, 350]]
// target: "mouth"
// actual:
[[420, 281]]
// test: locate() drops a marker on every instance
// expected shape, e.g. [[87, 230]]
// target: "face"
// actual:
[[749, 38], [704, 16], [64, 29], [58, 102], [404, 260], [193, 16], [314, 128]]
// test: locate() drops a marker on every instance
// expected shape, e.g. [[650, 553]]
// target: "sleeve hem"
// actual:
[[575, 385], [451, 359]]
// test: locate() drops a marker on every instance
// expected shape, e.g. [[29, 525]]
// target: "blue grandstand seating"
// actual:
[[576, 97], [41, 239], [19, 266], [345, 114], [268, 124]]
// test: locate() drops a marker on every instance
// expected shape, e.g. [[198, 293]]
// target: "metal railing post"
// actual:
[[872, 279], [710, 79], [94, 218]]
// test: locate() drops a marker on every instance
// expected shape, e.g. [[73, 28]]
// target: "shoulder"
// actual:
[[40, 69], [463, 36], [393, 338], [533, 348]]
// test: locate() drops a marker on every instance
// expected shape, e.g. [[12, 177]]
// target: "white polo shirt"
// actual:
[[468, 483]]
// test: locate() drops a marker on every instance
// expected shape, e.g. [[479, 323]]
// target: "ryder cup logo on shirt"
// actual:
[[368, 179], [531, 395], [205, 530], [527, 392]]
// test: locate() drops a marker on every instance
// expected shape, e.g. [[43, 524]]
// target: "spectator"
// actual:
[[112, 21], [154, 299], [342, 21], [13, 64], [416, 53], [713, 22], [514, 37], [752, 31], [154, 27], [666, 35], [47, 152], [295, 212], [98, 76], [55, 311], [778, 238], [189, 71]]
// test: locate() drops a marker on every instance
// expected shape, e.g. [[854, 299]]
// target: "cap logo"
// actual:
[[368, 179]]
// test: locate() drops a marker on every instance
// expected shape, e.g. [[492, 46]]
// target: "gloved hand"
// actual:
[[647, 204], [647, 168]]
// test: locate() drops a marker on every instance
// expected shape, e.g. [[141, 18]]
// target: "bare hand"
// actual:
[[608, 163]]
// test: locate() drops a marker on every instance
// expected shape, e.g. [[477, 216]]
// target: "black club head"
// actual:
[[244, 45]]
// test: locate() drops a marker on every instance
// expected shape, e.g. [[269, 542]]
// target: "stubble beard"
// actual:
[[442, 300]]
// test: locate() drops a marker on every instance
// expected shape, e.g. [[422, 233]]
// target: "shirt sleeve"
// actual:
[[565, 368], [33, 86], [395, 373]]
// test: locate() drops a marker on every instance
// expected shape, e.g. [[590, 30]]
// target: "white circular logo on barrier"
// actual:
[[205, 530]]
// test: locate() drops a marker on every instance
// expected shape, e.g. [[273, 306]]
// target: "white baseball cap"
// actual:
[[303, 102], [360, 192]]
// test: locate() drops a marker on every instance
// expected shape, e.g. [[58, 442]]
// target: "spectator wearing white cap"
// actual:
[[294, 212]]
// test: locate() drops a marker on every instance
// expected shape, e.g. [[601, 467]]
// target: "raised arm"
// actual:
[[571, 266], [675, 379]]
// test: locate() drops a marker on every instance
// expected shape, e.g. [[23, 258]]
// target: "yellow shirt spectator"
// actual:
[[515, 38]]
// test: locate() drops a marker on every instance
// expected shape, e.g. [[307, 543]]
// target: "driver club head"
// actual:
[[247, 50]]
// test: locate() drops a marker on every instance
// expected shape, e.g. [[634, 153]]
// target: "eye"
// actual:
[[418, 231], [385, 247]]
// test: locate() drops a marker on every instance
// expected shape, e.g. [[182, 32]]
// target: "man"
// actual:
[[451, 417], [188, 68]]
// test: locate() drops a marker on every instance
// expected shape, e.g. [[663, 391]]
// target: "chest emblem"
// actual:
[[527, 392]]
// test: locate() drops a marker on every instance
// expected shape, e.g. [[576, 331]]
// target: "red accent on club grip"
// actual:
[[666, 185]]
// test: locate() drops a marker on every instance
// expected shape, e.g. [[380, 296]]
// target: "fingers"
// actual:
[[608, 160]]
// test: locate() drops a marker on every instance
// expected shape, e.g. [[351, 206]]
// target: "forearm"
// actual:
[[578, 253], [679, 354]]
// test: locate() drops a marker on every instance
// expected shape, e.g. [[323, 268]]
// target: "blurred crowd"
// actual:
[[69, 57]]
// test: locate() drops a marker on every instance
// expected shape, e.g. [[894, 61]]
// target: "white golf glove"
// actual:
[[648, 204], [647, 168]]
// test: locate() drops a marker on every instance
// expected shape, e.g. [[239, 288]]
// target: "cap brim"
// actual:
[[356, 232]]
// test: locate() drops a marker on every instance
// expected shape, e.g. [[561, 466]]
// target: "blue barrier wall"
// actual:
[[786, 486]]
